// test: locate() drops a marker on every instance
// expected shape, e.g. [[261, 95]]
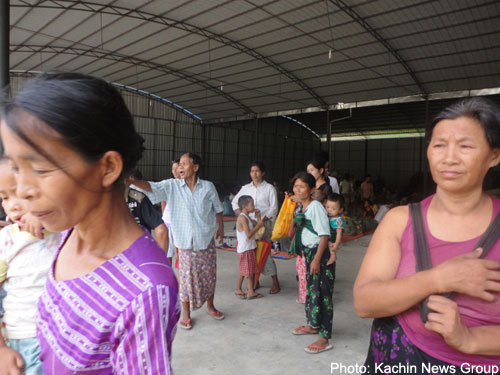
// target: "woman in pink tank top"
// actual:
[[461, 333]]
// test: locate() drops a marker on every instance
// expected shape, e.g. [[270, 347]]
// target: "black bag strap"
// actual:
[[422, 251], [490, 236]]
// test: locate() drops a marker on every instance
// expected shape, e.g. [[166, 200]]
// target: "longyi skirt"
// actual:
[[197, 275]]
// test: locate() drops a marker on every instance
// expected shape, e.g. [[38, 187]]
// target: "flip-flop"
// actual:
[[274, 291], [185, 324], [315, 349], [255, 296], [301, 330], [240, 295], [217, 315]]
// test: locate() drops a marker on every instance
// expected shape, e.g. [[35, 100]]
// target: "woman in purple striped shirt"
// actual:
[[110, 305]]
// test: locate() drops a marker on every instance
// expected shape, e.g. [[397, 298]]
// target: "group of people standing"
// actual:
[[110, 303]]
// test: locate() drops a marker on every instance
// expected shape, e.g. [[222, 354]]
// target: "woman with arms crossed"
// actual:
[[464, 143]]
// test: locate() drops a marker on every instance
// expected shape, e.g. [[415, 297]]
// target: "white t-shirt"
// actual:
[[334, 184], [28, 262], [321, 224]]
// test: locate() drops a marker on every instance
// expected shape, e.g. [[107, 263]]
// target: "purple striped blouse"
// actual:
[[119, 319]]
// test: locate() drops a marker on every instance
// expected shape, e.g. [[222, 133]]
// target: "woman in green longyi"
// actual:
[[311, 239]]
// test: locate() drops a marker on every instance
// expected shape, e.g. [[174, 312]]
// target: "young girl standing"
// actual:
[[110, 304], [311, 239]]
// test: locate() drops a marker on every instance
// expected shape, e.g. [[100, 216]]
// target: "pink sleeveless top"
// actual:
[[474, 311]]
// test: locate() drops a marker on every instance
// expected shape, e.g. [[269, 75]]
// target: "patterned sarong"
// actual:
[[197, 275], [248, 263], [301, 278]]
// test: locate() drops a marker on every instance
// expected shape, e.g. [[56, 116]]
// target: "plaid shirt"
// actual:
[[192, 213]]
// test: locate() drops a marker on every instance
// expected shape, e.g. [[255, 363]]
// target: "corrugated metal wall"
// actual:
[[389, 161], [282, 145]]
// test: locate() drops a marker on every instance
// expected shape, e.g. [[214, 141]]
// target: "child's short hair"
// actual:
[[244, 200], [335, 197]]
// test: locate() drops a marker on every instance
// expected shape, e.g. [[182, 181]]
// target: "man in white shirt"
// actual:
[[266, 201]]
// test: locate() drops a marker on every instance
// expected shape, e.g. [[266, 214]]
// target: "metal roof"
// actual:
[[244, 58]]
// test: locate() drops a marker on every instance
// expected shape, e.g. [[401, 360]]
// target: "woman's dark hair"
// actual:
[[258, 164], [306, 177], [318, 163], [481, 109], [176, 161], [87, 112]]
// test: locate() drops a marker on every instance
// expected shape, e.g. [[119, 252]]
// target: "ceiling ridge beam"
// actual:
[[131, 60], [115, 10], [355, 16]]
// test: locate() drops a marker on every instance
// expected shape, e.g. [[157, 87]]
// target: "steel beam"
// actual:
[[4, 43], [103, 54], [360, 20], [87, 6]]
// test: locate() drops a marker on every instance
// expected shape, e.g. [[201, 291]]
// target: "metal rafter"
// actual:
[[355, 16], [348, 58], [138, 14], [129, 89], [101, 54]]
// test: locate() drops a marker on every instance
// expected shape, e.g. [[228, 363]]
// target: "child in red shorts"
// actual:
[[246, 228]]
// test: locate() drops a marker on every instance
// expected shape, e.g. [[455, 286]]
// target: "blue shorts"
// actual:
[[30, 351], [2, 294]]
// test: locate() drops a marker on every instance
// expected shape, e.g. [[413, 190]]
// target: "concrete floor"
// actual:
[[255, 337]]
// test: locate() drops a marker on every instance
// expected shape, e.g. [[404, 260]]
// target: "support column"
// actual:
[[366, 159], [204, 152], [256, 140], [329, 136], [237, 172], [203, 142], [4, 43]]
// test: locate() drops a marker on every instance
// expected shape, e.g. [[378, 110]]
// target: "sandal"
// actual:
[[301, 330], [185, 324], [315, 349], [240, 295], [216, 314]]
